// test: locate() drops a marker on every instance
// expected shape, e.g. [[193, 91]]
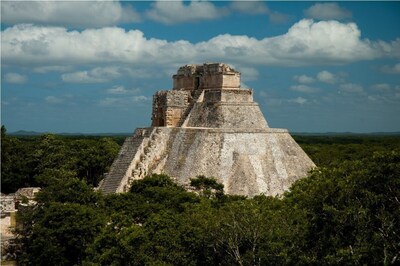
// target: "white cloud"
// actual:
[[299, 100], [96, 75], [382, 87], [304, 88], [67, 13], [15, 78], [46, 69], [381, 99], [110, 101], [327, 11], [122, 90], [306, 43], [327, 77], [117, 101], [140, 98], [258, 7], [247, 73], [81, 77], [53, 100], [392, 69], [304, 79], [270, 100], [117, 90], [178, 12], [351, 88], [250, 7]]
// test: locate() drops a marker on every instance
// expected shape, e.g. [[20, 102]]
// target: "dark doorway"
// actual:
[[196, 82]]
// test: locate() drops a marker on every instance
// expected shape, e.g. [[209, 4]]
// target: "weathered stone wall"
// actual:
[[226, 115], [206, 76], [228, 95], [248, 162], [221, 80], [221, 83], [7, 203], [184, 83], [169, 107]]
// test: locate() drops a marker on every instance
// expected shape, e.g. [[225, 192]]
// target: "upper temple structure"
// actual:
[[208, 125]]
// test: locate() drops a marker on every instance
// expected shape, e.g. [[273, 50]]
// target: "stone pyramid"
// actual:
[[208, 125]]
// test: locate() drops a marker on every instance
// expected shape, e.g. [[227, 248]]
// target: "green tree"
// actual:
[[207, 186], [93, 158], [16, 167], [352, 211], [60, 234], [58, 229]]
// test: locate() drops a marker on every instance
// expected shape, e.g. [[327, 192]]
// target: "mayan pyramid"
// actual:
[[208, 125]]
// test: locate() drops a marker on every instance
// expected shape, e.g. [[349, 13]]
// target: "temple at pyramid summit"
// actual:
[[208, 125]]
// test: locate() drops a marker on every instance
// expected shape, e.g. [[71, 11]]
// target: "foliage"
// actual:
[[29, 161], [346, 212], [16, 168], [353, 211], [331, 151], [207, 186], [59, 228]]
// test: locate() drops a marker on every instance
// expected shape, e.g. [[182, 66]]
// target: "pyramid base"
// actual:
[[247, 161]]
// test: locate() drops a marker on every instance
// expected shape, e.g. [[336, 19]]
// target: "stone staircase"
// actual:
[[124, 159], [149, 156]]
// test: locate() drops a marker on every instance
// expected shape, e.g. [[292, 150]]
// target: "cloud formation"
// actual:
[[258, 7], [298, 100], [327, 11], [304, 79], [178, 12], [395, 69], [304, 88], [351, 88], [15, 78], [78, 14], [126, 101], [306, 43], [250, 7], [327, 77], [53, 100], [122, 90], [96, 75], [382, 87]]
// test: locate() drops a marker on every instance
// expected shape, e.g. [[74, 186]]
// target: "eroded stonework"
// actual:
[[208, 125]]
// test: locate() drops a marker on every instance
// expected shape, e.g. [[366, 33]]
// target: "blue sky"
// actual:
[[92, 67]]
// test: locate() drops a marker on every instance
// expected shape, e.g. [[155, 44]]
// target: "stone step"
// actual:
[[121, 163]]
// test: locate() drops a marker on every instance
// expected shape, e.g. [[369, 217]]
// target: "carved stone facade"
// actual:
[[208, 125], [219, 82], [206, 76]]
